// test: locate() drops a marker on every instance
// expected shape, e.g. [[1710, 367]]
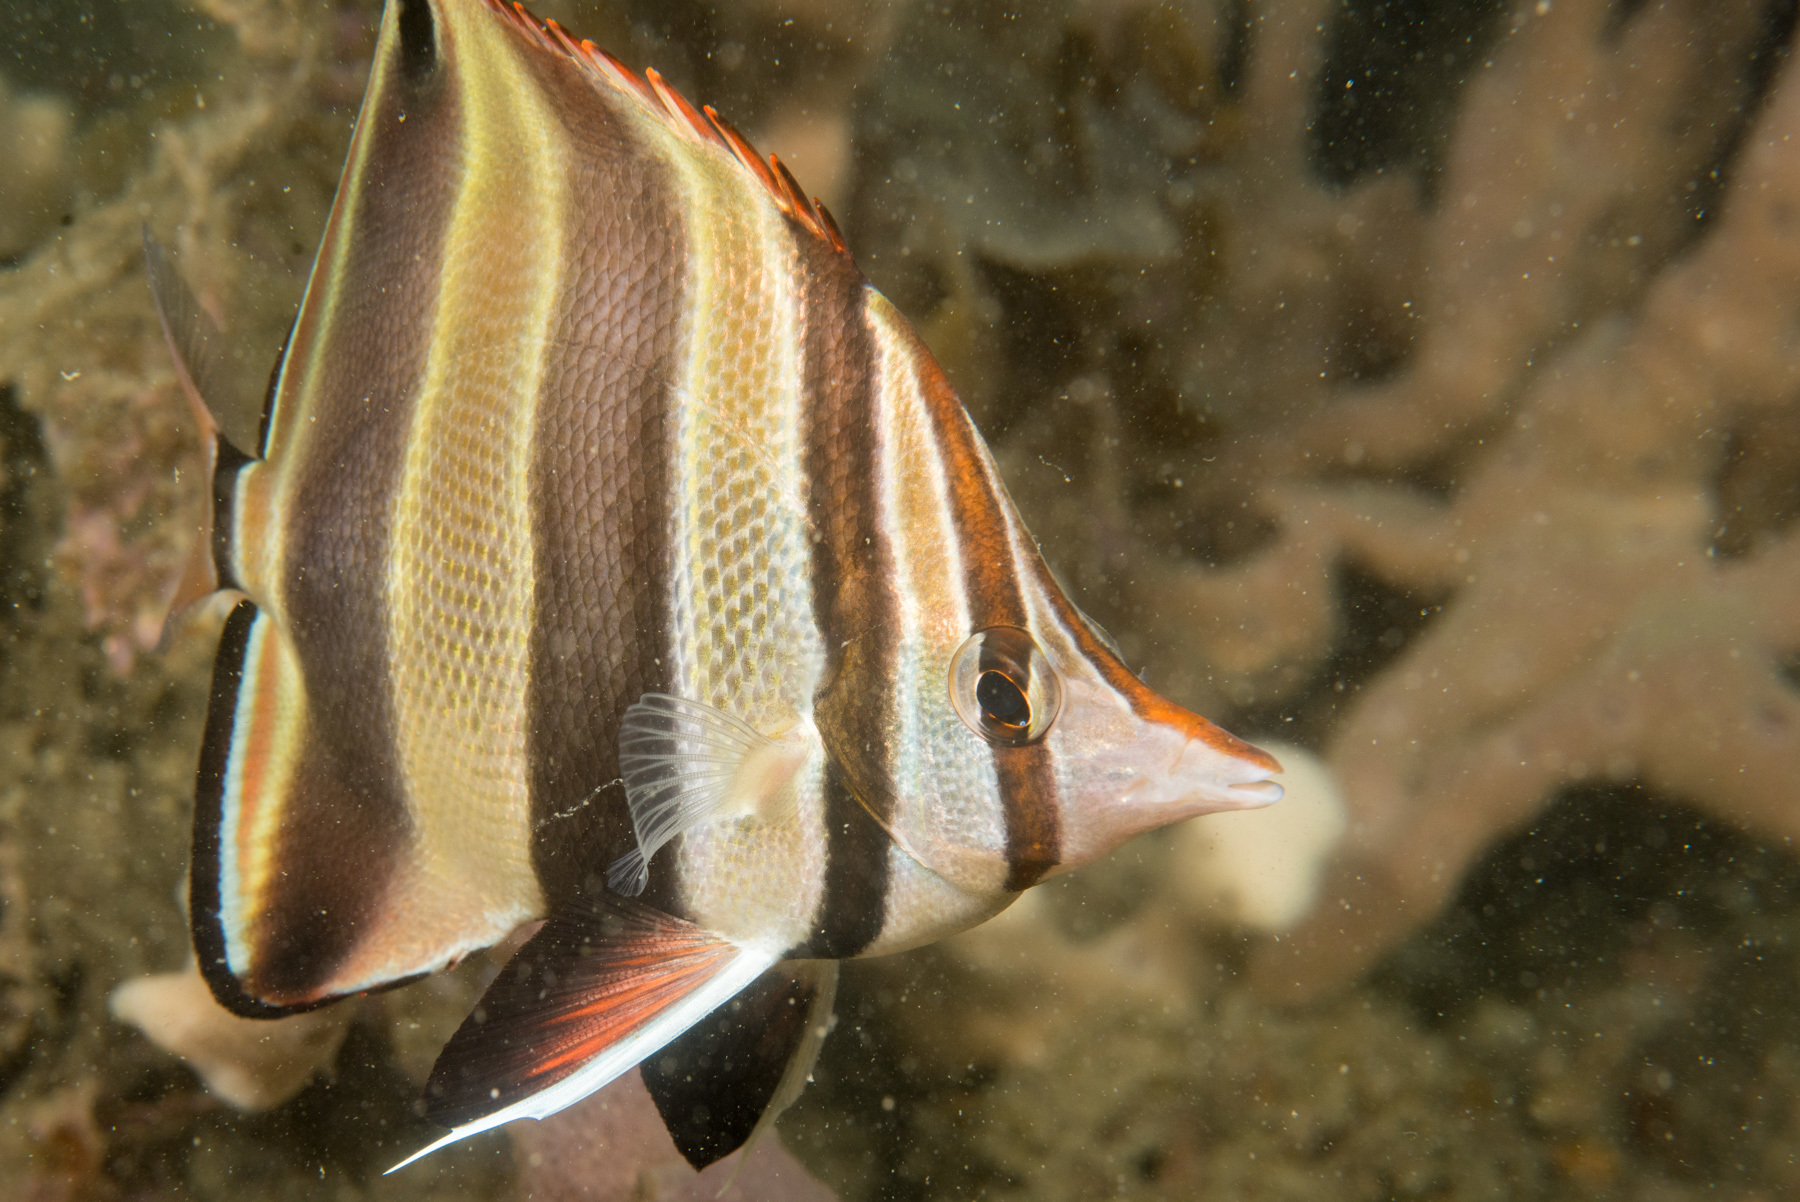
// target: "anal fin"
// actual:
[[733, 1073], [593, 993]]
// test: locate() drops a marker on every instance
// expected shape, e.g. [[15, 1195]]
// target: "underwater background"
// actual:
[[1412, 385]]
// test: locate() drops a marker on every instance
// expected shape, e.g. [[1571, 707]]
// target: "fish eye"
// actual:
[[1002, 702], [1003, 686]]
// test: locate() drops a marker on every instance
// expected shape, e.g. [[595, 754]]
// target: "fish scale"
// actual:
[[619, 557], [736, 562]]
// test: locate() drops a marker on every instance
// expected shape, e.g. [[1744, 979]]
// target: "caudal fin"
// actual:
[[592, 994]]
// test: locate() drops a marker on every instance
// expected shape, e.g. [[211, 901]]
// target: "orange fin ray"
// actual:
[[593, 993], [701, 126]]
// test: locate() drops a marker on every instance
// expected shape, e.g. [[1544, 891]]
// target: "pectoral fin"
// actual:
[[588, 997], [686, 763], [728, 1078]]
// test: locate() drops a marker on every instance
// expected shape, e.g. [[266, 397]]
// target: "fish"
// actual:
[[613, 555]]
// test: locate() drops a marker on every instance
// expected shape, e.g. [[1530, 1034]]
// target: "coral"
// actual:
[[81, 346], [1476, 475], [22, 987], [34, 143], [251, 1064], [1627, 1040], [1021, 1062], [1594, 630], [67, 1148], [1260, 868], [1470, 465]]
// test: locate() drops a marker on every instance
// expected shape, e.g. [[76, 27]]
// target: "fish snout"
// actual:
[[1214, 769], [1196, 768], [1184, 766], [1225, 773], [1163, 764]]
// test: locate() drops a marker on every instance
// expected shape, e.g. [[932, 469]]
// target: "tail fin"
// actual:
[[196, 346], [591, 995]]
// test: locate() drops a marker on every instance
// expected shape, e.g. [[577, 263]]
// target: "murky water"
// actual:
[[1415, 386]]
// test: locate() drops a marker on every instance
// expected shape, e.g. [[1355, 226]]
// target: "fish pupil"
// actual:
[[1001, 701]]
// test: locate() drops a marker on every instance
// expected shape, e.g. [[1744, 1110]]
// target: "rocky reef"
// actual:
[[1415, 384]]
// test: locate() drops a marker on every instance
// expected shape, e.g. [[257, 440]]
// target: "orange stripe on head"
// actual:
[[989, 581], [1145, 702], [1025, 776]]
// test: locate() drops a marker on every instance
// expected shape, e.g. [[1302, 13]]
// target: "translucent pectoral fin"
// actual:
[[686, 763]]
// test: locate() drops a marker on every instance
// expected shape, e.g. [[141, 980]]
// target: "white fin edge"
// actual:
[[686, 763], [623, 1056]]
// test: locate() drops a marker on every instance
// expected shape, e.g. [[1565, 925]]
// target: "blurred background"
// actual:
[[1413, 385]]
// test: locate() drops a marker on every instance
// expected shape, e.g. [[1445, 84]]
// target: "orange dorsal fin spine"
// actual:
[[700, 126], [740, 146], [682, 114], [790, 187], [831, 226]]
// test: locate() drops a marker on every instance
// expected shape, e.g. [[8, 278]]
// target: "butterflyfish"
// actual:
[[612, 554]]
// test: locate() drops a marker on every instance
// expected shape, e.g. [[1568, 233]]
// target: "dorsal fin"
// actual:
[[702, 126], [191, 334]]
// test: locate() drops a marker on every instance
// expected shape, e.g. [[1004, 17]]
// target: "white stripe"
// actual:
[[948, 822], [232, 907]]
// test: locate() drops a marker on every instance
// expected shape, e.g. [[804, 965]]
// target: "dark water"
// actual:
[[1414, 385]]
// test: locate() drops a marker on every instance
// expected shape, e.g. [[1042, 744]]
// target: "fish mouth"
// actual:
[[1257, 793], [1232, 779], [1165, 774]]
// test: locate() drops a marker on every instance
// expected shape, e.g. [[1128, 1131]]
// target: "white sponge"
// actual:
[[1261, 868]]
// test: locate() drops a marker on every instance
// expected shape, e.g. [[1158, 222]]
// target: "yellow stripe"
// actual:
[[741, 604], [916, 494], [262, 554], [460, 578], [743, 549], [255, 551], [266, 731]]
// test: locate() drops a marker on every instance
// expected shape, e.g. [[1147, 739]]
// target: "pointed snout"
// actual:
[[1214, 765], [1186, 766], [1224, 770], [1154, 764]]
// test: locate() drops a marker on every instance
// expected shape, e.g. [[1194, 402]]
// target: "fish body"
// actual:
[[615, 554]]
